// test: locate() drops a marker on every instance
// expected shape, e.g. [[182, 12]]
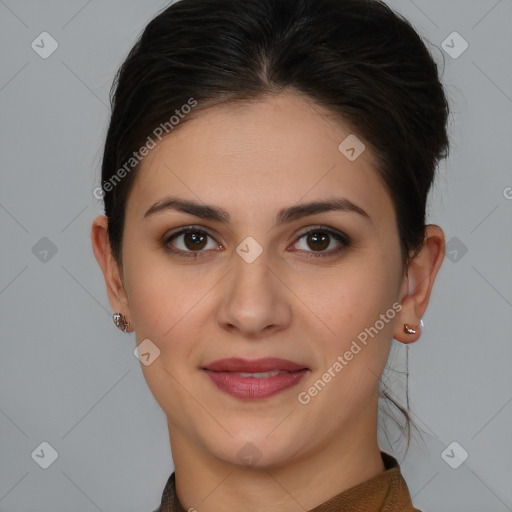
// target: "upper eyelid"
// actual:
[[186, 229]]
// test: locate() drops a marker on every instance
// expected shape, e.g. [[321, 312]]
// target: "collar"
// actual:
[[386, 492]]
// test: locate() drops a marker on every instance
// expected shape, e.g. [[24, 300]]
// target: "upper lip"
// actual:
[[266, 364]]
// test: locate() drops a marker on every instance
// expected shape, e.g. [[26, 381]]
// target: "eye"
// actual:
[[193, 242], [190, 240], [323, 241]]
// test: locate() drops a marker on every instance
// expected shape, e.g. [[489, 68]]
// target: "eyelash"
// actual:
[[343, 239]]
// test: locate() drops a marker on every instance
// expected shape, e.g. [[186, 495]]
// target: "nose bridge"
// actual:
[[251, 276], [255, 299]]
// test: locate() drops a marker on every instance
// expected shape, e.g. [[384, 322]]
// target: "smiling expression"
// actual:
[[249, 235]]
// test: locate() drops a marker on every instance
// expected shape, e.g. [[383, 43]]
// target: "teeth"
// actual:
[[259, 375]]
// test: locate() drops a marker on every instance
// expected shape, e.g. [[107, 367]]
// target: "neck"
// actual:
[[207, 484]]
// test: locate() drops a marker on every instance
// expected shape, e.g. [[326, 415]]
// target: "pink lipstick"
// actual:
[[254, 379]]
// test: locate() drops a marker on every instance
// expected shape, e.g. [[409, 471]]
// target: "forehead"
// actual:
[[261, 155]]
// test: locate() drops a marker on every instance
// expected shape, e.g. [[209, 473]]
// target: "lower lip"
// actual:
[[255, 387]]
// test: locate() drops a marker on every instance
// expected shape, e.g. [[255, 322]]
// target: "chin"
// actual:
[[256, 449]]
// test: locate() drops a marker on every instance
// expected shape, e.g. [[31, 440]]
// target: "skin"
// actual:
[[253, 159]]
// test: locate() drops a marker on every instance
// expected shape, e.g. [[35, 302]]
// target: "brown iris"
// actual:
[[197, 240], [318, 240]]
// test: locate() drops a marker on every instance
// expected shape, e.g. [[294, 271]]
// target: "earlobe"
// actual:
[[417, 285], [109, 266]]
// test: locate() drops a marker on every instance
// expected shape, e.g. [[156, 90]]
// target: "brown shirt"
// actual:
[[386, 492]]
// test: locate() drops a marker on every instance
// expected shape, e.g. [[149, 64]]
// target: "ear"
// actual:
[[110, 268], [417, 284]]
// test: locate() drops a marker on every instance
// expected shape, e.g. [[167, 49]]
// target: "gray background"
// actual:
[[69, 377]]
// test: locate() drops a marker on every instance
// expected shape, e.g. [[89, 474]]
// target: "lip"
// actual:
[[266, 364], [224, 374]]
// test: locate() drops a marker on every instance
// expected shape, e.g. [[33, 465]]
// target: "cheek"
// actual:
[[154, 297], [162, 300], [351, 361], [155, 288], [166, 303], [356, 294], [358, 309], [169, 303]]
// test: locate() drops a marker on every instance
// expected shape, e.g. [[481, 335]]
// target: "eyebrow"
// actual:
[[284, 215]]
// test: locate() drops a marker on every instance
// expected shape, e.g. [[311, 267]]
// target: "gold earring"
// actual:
[[120, 321], [409, 330]]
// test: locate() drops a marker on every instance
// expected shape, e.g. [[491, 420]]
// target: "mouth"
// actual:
[[254, 379]]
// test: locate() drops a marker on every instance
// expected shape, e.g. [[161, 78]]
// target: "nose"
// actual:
[[255, 300]]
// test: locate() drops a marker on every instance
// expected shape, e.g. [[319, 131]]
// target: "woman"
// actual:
[[265, 177]]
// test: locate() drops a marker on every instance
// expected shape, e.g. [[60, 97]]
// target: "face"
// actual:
[[261, 275]]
